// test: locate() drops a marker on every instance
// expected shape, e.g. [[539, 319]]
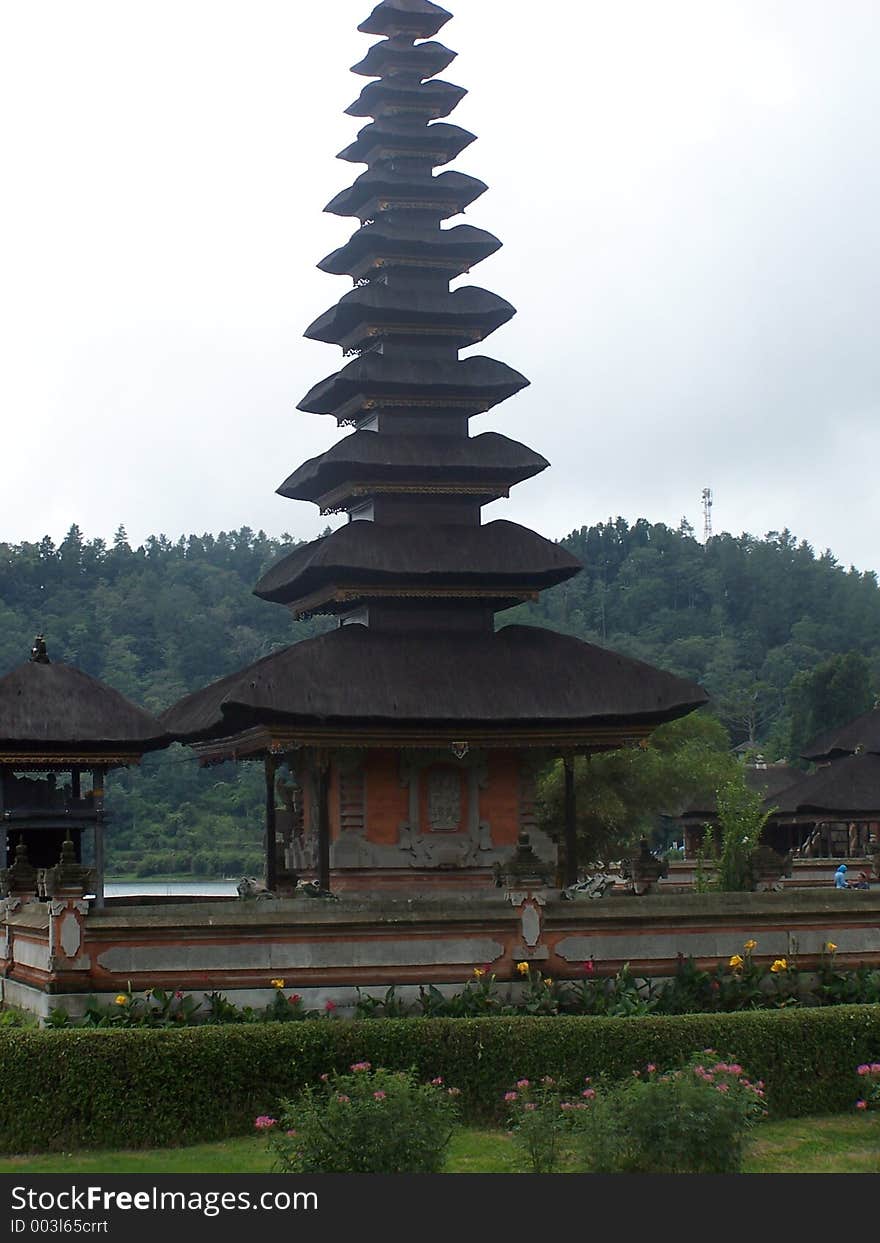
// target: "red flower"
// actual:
[[590, 968], [294, 998], [329, 1006]]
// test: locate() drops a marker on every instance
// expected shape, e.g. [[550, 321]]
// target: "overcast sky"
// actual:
[[687, 192]]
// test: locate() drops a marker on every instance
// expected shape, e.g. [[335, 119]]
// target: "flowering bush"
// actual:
[[691, 1120], [365, 1122], [540, 1115], [869, 1073]]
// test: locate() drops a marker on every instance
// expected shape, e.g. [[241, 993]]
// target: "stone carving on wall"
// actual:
[[444, 800]]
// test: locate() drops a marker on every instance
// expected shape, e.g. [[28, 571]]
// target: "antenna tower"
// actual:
[[707, 514]]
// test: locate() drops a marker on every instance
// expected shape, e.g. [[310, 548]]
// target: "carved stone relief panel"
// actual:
[[444, 795]]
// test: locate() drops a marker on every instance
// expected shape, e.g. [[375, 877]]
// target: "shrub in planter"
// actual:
[[364, 1122], [692, 1120]]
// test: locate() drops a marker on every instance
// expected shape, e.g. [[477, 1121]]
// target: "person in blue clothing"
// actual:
[[840, 881]]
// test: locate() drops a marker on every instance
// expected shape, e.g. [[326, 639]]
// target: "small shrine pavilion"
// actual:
[[60, 732], [412, 733]]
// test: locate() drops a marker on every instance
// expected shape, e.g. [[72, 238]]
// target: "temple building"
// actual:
[[60, 732], [413, 731]]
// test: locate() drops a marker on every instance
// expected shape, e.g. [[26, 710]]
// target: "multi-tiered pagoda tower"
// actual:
[[415, 728]]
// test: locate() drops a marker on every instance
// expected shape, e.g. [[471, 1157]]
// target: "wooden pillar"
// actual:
[[98, 798], [571, 862], [75, 784], [270, 767], [4, 847], [322, 793]]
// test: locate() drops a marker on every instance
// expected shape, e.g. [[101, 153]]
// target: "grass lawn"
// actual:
[[844, 1143]]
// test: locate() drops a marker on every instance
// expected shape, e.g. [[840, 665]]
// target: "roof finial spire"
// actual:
[[39, 655]]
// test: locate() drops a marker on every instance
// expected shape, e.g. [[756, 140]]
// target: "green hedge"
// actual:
[[63, 1090]]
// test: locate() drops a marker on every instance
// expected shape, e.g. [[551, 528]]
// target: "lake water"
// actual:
[[171, 889]]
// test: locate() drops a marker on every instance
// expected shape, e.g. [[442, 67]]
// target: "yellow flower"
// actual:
[[522, 968], [830, 947], [548, 982], [780, 964], [121, 1000], [277, 983], [736, 962], [750, 945], [479, 972]]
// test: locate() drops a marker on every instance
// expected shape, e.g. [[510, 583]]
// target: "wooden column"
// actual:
[[322, 794], [75, 785], [270, 766], [571, 866], [4, 848], [98, 798]]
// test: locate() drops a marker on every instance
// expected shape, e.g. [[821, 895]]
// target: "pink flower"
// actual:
[[587, 1079], [650, 1068], [437, 1083], [325, 1077], [530, 1105], [343, 1099], [264, 1122], [294, 998], [720, 1087], [378, 1096], [290, 1134], [511, 1096], [329, 1006], [359, 1066], [566, 1105], [178, 996], [864, 1069], [861, 1104], [522, 1083], [588, 1094], [590, 968]]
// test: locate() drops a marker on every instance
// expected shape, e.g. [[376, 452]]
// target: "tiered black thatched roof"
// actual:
[[503, 560], [489, 459], [418, 19], [766, 779], [861, 734], [47, 706], [417, 577], [521, 677]]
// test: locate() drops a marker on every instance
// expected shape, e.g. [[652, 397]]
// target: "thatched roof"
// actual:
[[847, 789], [387, 57], [462, 243], [474, 310], [50, 705], [500, 555], [522, 676], [861, 734], [458, 190], [419, 18], [487, 458], [479, 380], [431, 99], [441, 142]]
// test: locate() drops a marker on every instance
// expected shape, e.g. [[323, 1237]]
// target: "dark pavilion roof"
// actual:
[[475, 312], [389, 58], [520, 676], [861, 734], [454, 191], [457, 249], [487, 458], [474, 383], [847, 789], [46, 705], [766, 779], [418, 18], [431, 99], [439, 143], [499, 556]]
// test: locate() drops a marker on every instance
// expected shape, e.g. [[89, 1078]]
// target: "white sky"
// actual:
[[688, 195]]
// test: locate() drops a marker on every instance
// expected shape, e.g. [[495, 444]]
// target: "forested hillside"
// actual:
[[786, 642]]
